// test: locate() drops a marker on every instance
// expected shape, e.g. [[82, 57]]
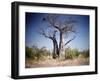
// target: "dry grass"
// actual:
[[52, 63]]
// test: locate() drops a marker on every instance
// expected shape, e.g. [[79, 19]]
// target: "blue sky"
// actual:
[[34, 22]]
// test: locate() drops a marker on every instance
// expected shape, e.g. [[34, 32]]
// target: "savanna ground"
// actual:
[[56, 62], [42, 58]]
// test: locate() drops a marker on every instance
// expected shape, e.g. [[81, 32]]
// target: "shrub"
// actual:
[[36, 53], [85, 53], [71, 53], [29, 52], [43, 53]]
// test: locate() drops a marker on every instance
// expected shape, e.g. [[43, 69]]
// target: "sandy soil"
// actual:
[[53, 63]]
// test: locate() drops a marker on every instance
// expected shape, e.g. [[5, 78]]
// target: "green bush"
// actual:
[[85, 53], [37, 53], [31, 53], [28, 52], [43, 53], [71, 53]]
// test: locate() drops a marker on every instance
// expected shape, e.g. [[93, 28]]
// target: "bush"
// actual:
[[43, 53], [85, 53], [31, 53], [28, 52], [36, 53], [71, 53]]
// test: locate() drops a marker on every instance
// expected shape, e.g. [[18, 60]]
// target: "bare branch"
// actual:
[[51, 34], [70, 40], [68, 25], [69, 28], [42, 32], [53, 21]]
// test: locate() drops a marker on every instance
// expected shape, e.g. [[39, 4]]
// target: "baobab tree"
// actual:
[[51, 34], [64, 28]]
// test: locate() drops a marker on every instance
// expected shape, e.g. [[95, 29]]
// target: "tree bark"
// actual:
[[61, 46], [55, 49]]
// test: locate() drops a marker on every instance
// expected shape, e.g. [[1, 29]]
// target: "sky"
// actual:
[[34, 21]]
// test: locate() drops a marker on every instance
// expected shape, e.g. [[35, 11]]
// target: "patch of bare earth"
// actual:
[[53, 62]]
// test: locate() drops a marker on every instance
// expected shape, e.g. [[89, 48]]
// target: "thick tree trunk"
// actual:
[[56, 46], [55, 49], [61, 47]]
